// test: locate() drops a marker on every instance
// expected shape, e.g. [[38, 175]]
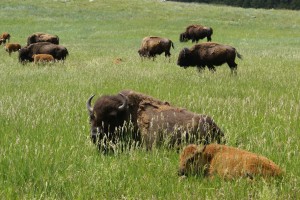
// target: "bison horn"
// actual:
[[124, 104], [88, 105]]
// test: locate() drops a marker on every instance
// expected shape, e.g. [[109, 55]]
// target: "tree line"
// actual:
[[268, 4]]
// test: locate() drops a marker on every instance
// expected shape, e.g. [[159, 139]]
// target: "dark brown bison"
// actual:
[[152, 121], [12, 47], [42, 37], [226, 162], [57, 51], [209, 54], [152, 46], [195, 33], [3, 37]]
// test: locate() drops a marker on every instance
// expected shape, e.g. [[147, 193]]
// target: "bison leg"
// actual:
[[200, 68], [233, 67], [211, 68]]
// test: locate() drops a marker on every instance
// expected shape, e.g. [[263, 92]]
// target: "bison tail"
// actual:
[[239, 55], [172, 44]]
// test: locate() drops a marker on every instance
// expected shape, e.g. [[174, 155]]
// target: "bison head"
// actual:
[[183, 37], [24, 54], [108, 114], [184, 58], [143, 52]]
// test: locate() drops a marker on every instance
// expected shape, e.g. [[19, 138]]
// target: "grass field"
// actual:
[[45, 150]]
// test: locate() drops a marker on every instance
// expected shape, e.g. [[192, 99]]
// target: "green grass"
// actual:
[[45, 150]]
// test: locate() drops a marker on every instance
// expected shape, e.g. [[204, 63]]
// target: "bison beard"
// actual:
[[139, 118]]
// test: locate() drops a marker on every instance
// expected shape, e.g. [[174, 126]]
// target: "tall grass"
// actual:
[[45, 150]]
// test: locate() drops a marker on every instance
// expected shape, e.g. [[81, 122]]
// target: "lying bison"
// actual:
[[152, 121], [42, 37], [209, 54], [57, 51], [226, 162], [152, 46], [195, 33]]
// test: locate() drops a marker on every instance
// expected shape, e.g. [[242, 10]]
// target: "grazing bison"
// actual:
[[195, 33], [42, 37], [152, 121], [4, 36], [57, 51], [208, 54], [152, 46], [12, 47], [42, 58], [225, 161]]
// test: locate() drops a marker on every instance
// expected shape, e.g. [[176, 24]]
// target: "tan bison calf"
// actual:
[[12, 47], [226, 162], [42, 58], [4, 36]]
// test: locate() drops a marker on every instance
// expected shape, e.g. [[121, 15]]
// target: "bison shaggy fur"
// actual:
[[12, 47], [209, 54], [152, 46], [226, 162], [195, 33], [153, 121]]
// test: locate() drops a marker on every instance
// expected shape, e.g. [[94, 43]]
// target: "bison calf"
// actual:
[[209, 54], [12, 47], [226, 162], [152, 46], [42, 58], [4, 36]]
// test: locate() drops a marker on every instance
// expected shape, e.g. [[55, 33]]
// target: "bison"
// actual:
[[152, 122], [12, 47], [42, 58], [42, 37], [209, 54], [152, 46], [57, 51], [226, 162], [195, 33], [4, 36]]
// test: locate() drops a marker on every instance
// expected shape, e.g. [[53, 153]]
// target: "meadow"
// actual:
[[45, 149]]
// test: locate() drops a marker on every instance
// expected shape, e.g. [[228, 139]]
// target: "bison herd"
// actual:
[[41, 47], [142, 120]]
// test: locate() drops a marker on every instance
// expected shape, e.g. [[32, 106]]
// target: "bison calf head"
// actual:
[[192, 161], [108, 114]]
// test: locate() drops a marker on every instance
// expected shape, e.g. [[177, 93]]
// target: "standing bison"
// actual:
[[57, 51], [209, 54], [42, 37], [3, 37], [151, 121], [152, 46], [226, 162], [195, 33]]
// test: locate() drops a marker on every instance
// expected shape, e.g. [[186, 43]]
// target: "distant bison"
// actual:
[[152, 46], [57, 51], [3, 37], [42, 58], [209, 54], [42, 37], [152, 121], [226, 162], [12, 47], [195, 33]]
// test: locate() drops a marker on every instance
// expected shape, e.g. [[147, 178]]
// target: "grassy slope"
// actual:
[[45, 150]]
